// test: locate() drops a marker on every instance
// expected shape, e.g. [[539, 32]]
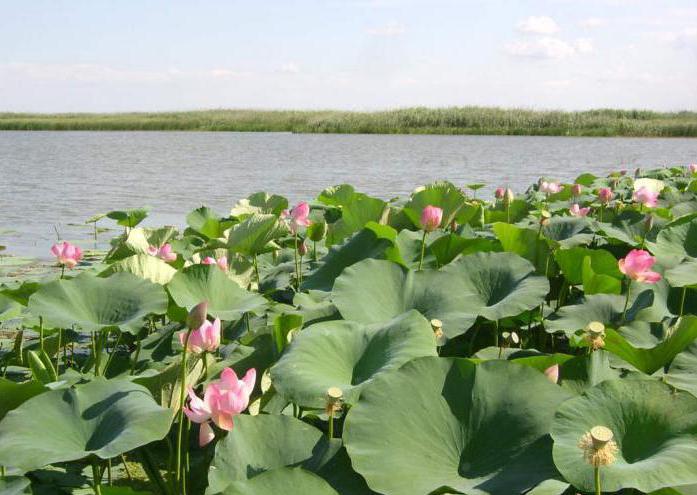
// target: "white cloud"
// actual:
[[592, 22], [290, 68], [583, 45], [543, 47], [392, 28], [538, 25]]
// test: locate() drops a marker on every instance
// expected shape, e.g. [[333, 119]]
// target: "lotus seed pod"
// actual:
[[595, 335], [317, 231], [437, 327], [598, 446], [197, 315], [335, 400]]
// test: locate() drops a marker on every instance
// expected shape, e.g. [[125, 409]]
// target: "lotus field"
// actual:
[[539, 343]]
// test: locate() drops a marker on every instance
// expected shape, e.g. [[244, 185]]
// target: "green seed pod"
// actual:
[[317, 231]]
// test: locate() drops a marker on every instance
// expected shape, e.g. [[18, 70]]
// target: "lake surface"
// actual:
[[54, 181]]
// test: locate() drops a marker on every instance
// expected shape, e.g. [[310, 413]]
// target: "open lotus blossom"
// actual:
[[67, 254], [605, 195], [552, 373], [221, 262], [222, 400], [576, 190], [646, 197], [692, 167], [205, 338], [577, 211], [298, 217], [164, 252], [550, 187], [637, 266], [431, 216]]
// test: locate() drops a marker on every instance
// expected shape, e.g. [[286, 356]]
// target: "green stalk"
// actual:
[[113, 350], [256, 268], [331, 424], [182, 396], [423, 250], [135, 358], [297, 270], [682, 300], [96, 478], [58, 350], [626, 301], [41, 333], [596, 472], [62, 271]]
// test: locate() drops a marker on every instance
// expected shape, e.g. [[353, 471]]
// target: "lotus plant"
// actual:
[[577, 211], [67, 255], [431, 217], [692, 168], [163, 252], [576, 190], [637, 266], [550, 187], [222, 400], [298, 217], [646, 197], [221, 262]]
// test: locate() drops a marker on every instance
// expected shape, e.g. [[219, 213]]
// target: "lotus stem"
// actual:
[[682, 300], [496, 334], [113, 350], [626, 301], [96, 478], [256, 269], [58, 350], [297, 269], [182, 396], [126, 468], [62, 271], [596, 472], [204, 356], [423, 250], [41, 333], [314, 250], [108, 471], [135, 358]]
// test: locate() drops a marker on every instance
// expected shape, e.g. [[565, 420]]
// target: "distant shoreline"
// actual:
[[453, 121]]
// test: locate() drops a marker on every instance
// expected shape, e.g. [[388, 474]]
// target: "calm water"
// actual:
[[50, 180]]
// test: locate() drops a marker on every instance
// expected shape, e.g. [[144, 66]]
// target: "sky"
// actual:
[[149, 55]]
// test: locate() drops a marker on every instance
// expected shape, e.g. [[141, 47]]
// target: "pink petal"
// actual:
[[205, 435]]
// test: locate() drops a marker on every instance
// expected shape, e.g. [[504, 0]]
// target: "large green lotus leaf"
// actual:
[[441, 194], [568, 231], [143, 266], [226, 300], [499, 285], [682, 373], [133, 242], [448, 247], [286, 480], [683, 274], [357, 209], [261, 443], [571, 263], [253, 235], [91, 303], [206, 222], [628, 227], [655, 429], [517, 210], [129, 218], [375, 291], [524, 242], [651, 360], [676, 241], [348, 355], [260, 202], [9, 308], [104, 418], [446, 423], [13, 394], [15, 485], [370, 242]]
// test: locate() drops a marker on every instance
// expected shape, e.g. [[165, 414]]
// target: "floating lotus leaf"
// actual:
[[286, 480], [375, 291], [683, 370], [445, 425], [104, 418], [92, 303], [143, 266], [258, 444], [500, 284], [226, 299], [348, 355], [655, 429]]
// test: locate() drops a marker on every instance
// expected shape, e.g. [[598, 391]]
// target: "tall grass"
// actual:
[[455, 120]]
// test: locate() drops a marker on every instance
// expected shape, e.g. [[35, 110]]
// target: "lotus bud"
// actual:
[[335, 400], [598, 446], [692, 168], [431, 216], [317, 231], [552, 373], [437, 327], [197, 315], [302, 248], [509, 197], [605, 195], [595, 335], [500, 192], [576, 189]]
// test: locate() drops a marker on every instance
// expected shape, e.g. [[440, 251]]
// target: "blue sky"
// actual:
[[92, 55]]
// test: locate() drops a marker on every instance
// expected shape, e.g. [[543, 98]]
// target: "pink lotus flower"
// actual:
[[692, 168], [205, 338], [552, 373], [222, 400], [577, 211], [550, 187], [605, 195], [67, 254], [298, 217], [164, 252], [500, 192], [431, 216], [637, 266], [221, 262], [576, 190], [646, 197]]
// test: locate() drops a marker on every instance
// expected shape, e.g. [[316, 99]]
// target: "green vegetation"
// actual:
[[455, 120]]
